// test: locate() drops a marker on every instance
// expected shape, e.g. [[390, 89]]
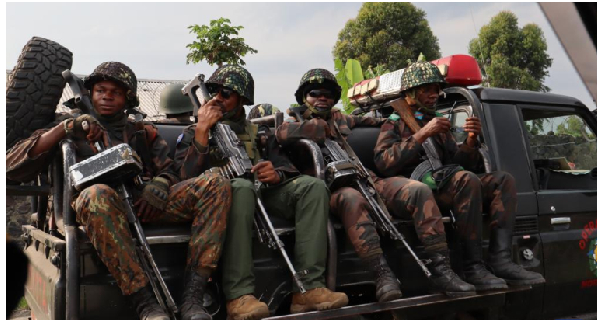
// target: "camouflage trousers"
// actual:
[[352, 208], [412, 200], [468, 194], [204, 201], [404, 198]]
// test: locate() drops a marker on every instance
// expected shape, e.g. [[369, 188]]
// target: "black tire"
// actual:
[[34, 88]]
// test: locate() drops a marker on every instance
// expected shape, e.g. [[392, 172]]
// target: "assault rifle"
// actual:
[[240, 165], [113, 166], [343, 169], [81, 95]]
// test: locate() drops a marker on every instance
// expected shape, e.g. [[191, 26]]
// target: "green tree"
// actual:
[[386, 34], [216, 45], [512, 57], [372, 73], [574, 126], [347, 75]]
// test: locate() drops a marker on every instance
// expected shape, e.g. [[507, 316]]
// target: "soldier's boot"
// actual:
[[146, 305], [317, 299], [387, 286], [443, 277], [246, 307], [500, 260], [475, 272], [193, 296]]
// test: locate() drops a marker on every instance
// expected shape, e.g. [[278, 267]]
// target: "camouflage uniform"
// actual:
[[405, 198], [262, 110], [297, 197], [398, 153], [204, 201]]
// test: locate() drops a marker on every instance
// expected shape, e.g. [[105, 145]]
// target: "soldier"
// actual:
[[399, 150], [202, 200], [317, 93], [262, 110], [177, 107], [287, 194]]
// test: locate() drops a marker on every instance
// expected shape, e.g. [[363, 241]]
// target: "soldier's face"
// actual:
[[320, 97], [108, 97], [428, 94], [228, 98]]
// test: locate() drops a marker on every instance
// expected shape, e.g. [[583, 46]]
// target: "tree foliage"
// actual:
[[512, 57], [386, 34], [216, 45], [347, 75]]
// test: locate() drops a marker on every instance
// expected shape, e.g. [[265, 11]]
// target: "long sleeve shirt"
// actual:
[[23, 168], [318, 130], [397, 152], [192, 158]]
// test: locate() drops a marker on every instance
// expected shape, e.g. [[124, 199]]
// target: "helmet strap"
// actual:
[[321, 113], [412, 94]]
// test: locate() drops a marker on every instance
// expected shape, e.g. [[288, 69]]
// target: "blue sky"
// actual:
[[290, 37]]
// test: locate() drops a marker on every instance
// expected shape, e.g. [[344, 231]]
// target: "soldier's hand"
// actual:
[[473, 125], [322, 126], [87, 127], [265, 172], [154, 199], [435, 126], [209, 114]]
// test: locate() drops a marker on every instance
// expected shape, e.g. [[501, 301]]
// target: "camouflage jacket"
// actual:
[[192, 158], [398, 153], [291, 131], [21, 167]]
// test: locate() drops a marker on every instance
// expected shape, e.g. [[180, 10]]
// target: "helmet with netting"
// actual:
[[420, 73], [262, 110], [172, 100], [233, 77], [119, 73], [317, 78]]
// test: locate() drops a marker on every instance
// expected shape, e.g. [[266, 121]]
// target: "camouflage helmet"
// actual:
[[172, 100], [317, 77], [420, 73], [262, 110], [233, 77], [119, 73]]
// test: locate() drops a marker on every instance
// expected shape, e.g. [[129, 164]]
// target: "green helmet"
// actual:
[[119, 73], [317, 77], [262, 110], [172, 100], [233, 77], [420, 73]]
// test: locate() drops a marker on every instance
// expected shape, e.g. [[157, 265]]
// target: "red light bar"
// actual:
[[461, 69]]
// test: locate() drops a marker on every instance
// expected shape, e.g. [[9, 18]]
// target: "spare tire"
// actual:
[[34, 88]]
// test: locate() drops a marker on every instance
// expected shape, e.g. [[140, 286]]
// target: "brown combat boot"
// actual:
[[246, 307], [317, 299]]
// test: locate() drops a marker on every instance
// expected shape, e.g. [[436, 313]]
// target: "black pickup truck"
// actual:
[[546, 141]]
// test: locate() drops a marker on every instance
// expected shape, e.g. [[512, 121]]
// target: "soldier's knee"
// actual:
[[98, 191], [469, 179], [311, 183], [240, 184], [214, 181], [507, 178], [419, 189]]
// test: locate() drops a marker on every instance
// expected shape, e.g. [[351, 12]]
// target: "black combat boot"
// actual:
[[193, 296], [475, 272], [444, 279], [146, 305], [387, 286], [500, 260]]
